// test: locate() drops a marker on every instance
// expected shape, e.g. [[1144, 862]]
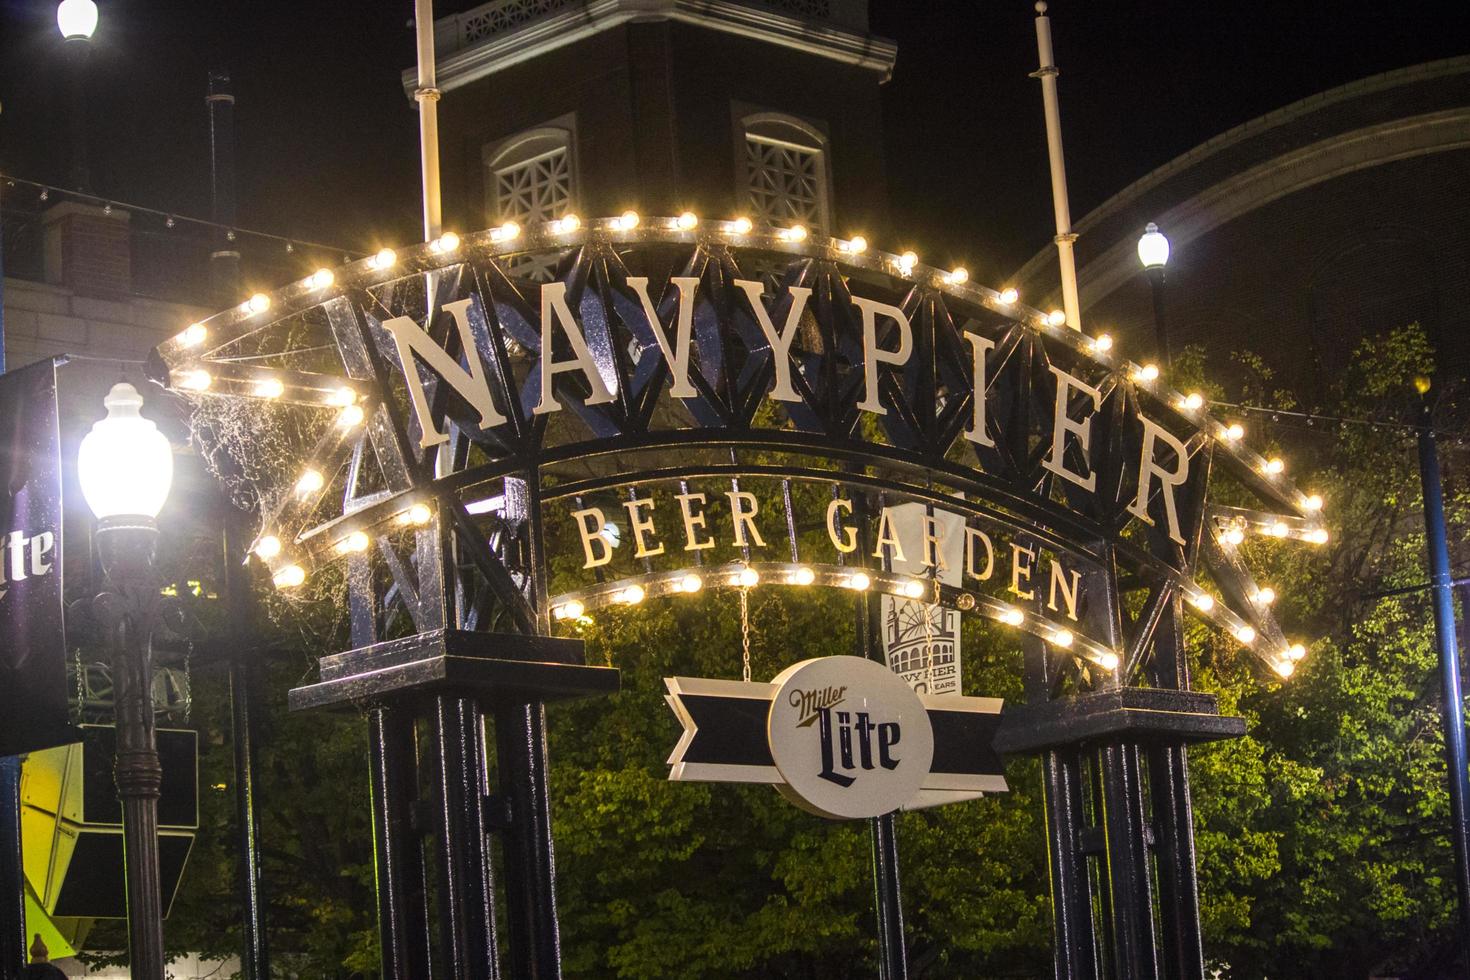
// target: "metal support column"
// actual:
[[403, 908], [466, 890], [1061, 789], [1125, 827], [530, 858], [1451, 703], [255, 961]]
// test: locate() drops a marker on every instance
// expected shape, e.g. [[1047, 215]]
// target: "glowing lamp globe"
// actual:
[[125, 464], [76, 18], [1153, 247]]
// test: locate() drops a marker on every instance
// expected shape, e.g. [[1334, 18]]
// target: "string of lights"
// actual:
[[171, 219], [1317, 420]]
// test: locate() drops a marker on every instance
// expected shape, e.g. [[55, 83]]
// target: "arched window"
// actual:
[[785, 172], [531, 177]]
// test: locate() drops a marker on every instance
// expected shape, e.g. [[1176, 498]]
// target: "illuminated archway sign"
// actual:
[[689, 405]]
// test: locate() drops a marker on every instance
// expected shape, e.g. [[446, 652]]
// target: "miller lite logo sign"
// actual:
[[841, 737]]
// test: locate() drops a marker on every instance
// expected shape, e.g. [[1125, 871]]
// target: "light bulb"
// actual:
[[741, 226], [1246, 635], [1235, 432], [268, 547], [958, 276], [269, 388], [1012, 616], [1265, 595], [289, 577], [1194, 401], [1317, 536], [385, 258], [804, 576], [1202, 601], [1314, 502], [858, 581], [342, 397], [907, 261], [1274, 465], [1233, 535], [446, 242], [914, 589], [1056, 318], [76, 18], [322, 278], [1149, 372], [1278, 530], [197, 380], [687, 221], [1296, 651], [418, 515], [632, 595], [193, 335], [1285, 668], [748, 577], [1062, 638], [355, 542], [571, 609], [796, 233], [856, 245], [628, 220], [350, 417], [507, 232], [310, 482], [1108, 661], [1009, 296], [566, 224], [1104, 342], [258, 303], [691, 583]]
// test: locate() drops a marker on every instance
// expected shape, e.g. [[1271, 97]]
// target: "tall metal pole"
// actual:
[[255, 956], [1047, 72], [1449, 659], [129, 609], [427, 96], [77, 51], [224, 258], [1161, 324]]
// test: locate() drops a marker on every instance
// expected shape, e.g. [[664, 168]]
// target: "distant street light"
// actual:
[[125, 466], [76, 18], [1153, 252], [77, 21]]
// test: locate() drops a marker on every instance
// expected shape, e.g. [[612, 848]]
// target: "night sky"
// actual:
[[327, 140]]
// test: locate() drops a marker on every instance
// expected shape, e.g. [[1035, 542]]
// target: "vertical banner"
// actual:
[[33, 690], [922, 641]]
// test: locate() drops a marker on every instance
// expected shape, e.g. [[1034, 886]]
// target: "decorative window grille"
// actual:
[[531, 179], [786, 173]]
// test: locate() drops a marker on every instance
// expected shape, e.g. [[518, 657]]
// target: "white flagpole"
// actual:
[[1048, 75], [427, 96]]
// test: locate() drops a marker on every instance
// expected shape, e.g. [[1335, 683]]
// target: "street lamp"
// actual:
[[1153, 252], [125, 466], [77, 21]]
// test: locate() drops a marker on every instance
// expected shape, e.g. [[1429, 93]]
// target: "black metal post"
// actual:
[[129, 610], [224, 258], [403, 908], [466, 891], [1061, 786], [530, 858], [255, 954], [1449, 659], [12, 872], [1161, 324], [78, 49]]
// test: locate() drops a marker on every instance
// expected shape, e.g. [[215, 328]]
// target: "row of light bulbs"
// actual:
[[859, 581], [906, 263]]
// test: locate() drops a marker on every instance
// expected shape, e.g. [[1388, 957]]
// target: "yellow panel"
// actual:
[[59, 944]]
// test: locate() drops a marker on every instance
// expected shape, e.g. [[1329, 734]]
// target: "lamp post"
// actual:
[[77, 20], [1153, 252], [125, 467]]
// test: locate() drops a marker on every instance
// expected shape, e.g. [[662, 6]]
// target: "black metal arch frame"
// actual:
[[452, 604]]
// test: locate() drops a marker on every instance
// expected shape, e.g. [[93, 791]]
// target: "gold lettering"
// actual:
[[972, 535], [743, 518], [848, 544], [1069, 594], [1021, 570], [888, 537], [694, 522], [640, 526], [590, 524]]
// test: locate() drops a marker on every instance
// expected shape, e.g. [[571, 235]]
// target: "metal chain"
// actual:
[[188, 682], [745, 633], [81, 688]]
